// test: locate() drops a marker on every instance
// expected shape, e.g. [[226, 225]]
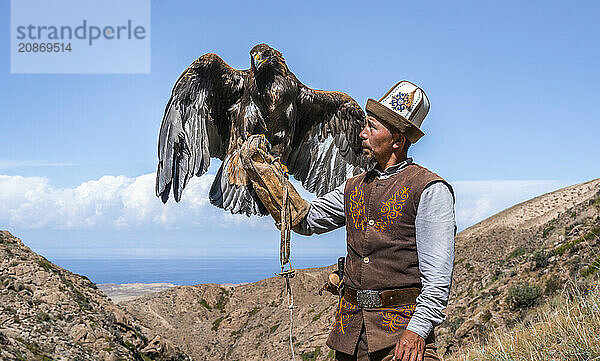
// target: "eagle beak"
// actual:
[[258, 60]]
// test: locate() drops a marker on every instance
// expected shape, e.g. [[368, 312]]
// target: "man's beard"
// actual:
[[368, 153]]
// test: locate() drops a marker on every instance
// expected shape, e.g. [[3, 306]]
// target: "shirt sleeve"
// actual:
[[326, 213], [435, 230]]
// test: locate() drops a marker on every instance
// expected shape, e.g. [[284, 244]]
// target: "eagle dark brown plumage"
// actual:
[[213, 108]]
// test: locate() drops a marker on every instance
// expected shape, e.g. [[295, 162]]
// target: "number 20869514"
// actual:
[[44, 47]]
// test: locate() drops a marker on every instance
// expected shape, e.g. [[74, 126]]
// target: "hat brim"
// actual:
[[403, 125]]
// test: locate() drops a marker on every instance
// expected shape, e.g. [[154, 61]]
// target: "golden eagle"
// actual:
[[213, 108]]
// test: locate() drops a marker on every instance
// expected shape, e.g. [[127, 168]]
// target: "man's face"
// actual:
[[377, 140]]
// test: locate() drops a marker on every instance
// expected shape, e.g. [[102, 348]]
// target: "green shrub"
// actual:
[[223, 299], [34, 349], [205, 304], [455, 323], [560, 250], [547, 231], [517, 252], [46, 265], [215, 324], [254, 311], [591, 269], [469, 267], [317, 316], [522, 295], [552, 285], [541, 259], [311, 356], [43, 317]]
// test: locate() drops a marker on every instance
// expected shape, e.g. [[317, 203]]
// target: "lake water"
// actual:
[[182, 271]]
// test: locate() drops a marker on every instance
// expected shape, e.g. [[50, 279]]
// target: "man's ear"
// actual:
[[399, 142]]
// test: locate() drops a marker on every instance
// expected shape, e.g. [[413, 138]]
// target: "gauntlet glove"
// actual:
[[269, 177]]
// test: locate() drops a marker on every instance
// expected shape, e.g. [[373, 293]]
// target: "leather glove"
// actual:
[[269, 180]]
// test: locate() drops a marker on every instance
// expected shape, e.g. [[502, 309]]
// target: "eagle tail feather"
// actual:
[[232, 197]]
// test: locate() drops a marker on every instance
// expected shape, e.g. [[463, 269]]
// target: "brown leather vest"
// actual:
[[382, 253]]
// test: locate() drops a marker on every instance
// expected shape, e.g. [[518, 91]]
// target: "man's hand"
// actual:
[[410, 347]]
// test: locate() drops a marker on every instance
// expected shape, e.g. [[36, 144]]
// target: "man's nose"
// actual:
[[363, 133]]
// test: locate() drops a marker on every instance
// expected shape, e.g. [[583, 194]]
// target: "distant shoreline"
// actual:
[[119, 292]]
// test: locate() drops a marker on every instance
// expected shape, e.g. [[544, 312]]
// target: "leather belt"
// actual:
[[386, 298]]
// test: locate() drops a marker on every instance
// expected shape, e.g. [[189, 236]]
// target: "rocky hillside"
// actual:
[[48, 313], [249, 322], [518, 258]]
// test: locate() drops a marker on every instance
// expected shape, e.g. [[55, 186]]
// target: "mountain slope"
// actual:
[[518, 258], [48, 313], [249, 322]]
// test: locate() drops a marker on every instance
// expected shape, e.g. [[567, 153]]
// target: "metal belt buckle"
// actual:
[[368, 298]]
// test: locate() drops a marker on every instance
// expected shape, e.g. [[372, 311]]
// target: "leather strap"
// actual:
[[386, 298]]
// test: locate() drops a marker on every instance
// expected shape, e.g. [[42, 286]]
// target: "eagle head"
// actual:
[[263, 56]]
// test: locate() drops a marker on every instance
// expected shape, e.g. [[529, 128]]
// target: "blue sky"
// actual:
[[512, 85]]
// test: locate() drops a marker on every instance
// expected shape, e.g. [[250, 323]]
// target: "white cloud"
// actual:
[[119, 202]]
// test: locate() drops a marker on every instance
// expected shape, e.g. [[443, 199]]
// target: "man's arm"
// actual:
[[435, 230], [325, 213]]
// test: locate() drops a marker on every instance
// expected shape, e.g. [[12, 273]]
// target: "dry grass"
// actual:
[[566, 328]]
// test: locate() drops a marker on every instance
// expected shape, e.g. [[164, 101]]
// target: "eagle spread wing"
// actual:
[[326, 146], [196, 125], [214, 107]]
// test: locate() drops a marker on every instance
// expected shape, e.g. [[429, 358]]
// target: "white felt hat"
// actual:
[[404, 107]]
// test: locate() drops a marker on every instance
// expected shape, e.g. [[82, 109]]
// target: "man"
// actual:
[[399, 219]]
